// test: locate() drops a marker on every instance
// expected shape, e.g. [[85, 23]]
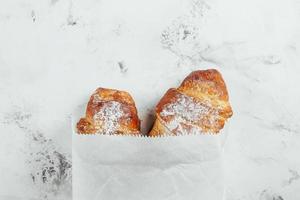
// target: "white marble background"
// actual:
[[54, 53]]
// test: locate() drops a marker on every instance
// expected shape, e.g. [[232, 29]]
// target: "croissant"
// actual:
[[110, 112], [199, 104]]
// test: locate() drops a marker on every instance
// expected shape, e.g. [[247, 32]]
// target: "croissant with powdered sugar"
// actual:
[[110, 112], [199, 104]]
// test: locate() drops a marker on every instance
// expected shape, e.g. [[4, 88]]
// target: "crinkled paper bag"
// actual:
[[114, 167]]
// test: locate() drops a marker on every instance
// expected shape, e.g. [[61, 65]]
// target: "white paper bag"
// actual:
[[108, 167]]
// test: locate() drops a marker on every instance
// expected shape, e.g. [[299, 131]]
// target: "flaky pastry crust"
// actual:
[[110, 112], [199, 104]]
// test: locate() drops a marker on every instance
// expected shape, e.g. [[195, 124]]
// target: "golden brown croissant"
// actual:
[[199, 104], [110, 112]]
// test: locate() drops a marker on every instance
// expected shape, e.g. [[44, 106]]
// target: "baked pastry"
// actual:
[[110, 112], [199, 104]]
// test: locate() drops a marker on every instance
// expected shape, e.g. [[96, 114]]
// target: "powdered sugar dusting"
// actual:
[[96, 98], [108, 117], [186, 111]]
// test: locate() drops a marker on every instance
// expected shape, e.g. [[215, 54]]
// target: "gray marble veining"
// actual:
[[54, 53]]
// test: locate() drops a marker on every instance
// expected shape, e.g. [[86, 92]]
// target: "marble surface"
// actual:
[[54, 53]]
